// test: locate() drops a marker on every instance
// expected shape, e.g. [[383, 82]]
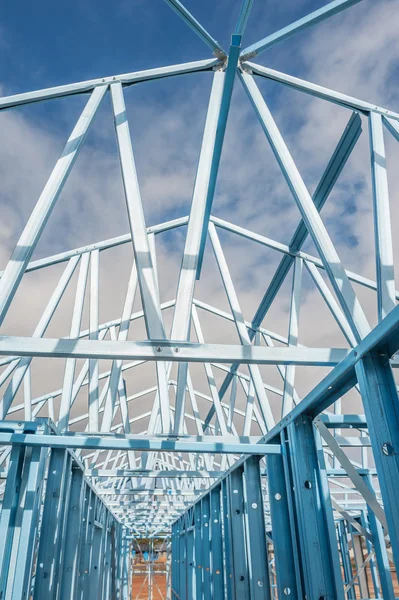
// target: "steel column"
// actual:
[[381, 407], [317, 541]]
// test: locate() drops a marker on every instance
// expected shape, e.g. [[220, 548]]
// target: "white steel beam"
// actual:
[[311, 19], [83, 87], [319, 91], [328, 254], [174, 351], [382, 219], [145, 271], [26, 244]]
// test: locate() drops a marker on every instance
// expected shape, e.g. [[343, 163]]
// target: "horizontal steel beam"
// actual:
[[169, 351], [180, 474], [135, 442], [344, 421]]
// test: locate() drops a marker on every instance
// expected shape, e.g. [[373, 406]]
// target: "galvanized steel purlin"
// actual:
[[227, 518]]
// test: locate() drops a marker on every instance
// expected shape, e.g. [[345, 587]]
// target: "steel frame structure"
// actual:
[[256, 505]]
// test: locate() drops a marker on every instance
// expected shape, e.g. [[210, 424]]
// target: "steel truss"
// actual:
[[256, 505]]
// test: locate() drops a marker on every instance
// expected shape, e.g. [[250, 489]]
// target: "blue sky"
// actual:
[[47, 44]]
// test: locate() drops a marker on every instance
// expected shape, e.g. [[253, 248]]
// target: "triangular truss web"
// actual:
[[161, 415]]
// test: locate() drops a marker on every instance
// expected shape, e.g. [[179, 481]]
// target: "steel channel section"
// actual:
[[255, 531], [380, 549], [96, 558], [8, 512], [190, 558], [381, 407], [197, 593], [52, 534], [74, 526], [345, 557], [88, 547], [382, 220], [125, 567], [240, 568], [317, 544], [176, 558], [216, 544], [227, 539], [16, 575], [372, 562], [83, 543], [283, 529], [206, 548], [183, 559]]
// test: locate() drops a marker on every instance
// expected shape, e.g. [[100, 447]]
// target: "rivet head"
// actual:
[[287, 591], [159, 349], [260, 583], [308, 484], [217, 572], [277, 496], [254, 505], [387, 449]]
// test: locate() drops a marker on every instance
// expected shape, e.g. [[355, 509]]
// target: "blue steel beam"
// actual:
[[381, 406], [197, 551], [255, 531], [330, 175], [380, 549], [206, 563], [136, 443], [311, 19], [240, 569], [243, 17], [53, 534], [314, 518], [216, 543], [19, 521], [192, 22], [283, 528], [227, 539], [74, 525], [229, 79]]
